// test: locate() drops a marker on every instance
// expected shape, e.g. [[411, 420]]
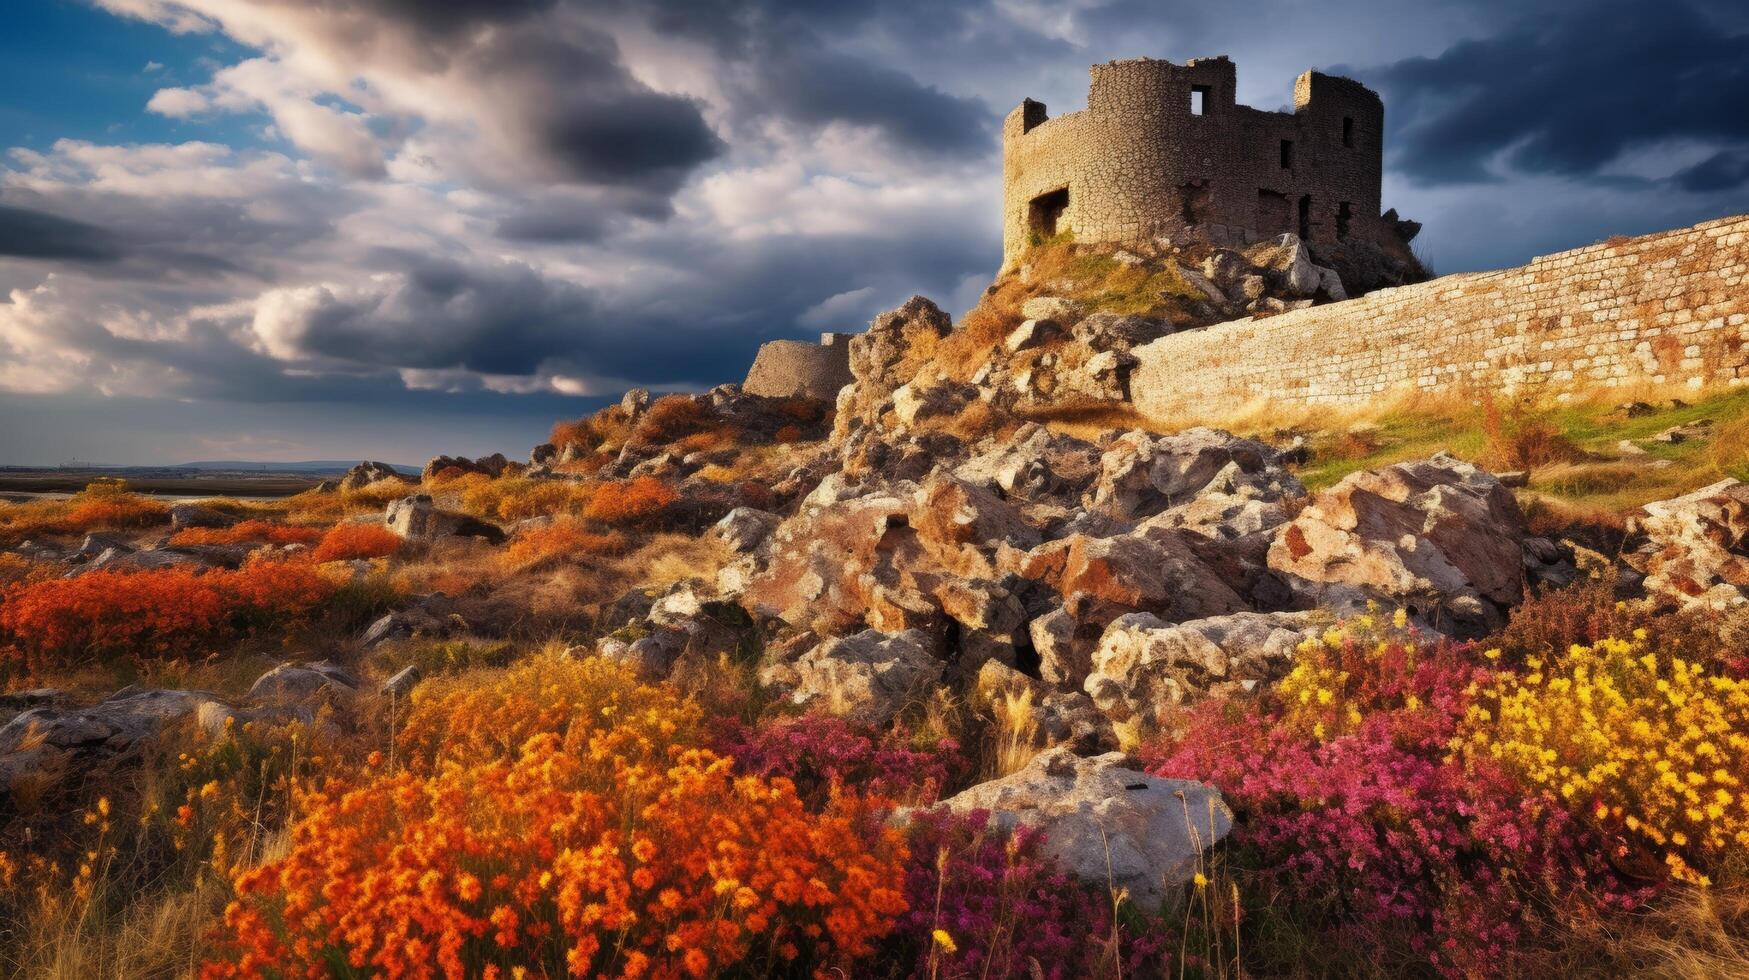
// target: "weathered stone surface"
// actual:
[[1143, 474], [870, 676], [1505, 331], [302, 684], [1697, 545], [46, 747], [787, 368], [1119, 331], [887, 356], [917, 400], [492, 466], [1056, 309], [367, 473], [1102, 578], [1437, 537], [417, 518], [745, 528], [1105, 823], [1035, 464], [1144, 664]]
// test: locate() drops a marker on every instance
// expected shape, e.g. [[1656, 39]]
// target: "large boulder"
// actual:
[[1437, 537], [1142, 474], [1101, 578], [888, 355], [1697, 545], [303, 684], [1035, 464], [184, 516], [417, 518], [1144, 664], [870, 676], [1105, 823]]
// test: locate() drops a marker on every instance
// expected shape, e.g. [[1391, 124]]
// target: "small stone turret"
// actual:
[[1165, 150]]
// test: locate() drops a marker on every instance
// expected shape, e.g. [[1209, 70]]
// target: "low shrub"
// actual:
[[169, 613], [822, 753], [104, 505], [674, 417], [562, 540], [253, 531], [515, 498], [1646, 744], [631, 502], [346, 542], [1519, 440]]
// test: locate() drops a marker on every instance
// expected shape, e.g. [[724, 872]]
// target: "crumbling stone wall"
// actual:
[[785, 368], [1665, 309], [1138, 163]]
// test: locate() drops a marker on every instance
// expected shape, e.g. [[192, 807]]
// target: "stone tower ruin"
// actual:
[[1165, 150]]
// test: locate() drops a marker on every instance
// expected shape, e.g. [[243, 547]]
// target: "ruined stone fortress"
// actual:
[[1165, 150]]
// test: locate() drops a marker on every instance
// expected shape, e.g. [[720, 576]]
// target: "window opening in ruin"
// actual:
[[1045, 212], [1194, 201], [1272, 212], [1344, 214], [1347, 130], [1306, 218], [1287, 154], [1199, 100]]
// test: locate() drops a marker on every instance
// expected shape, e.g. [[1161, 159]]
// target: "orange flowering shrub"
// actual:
[[344, 542], [164, 613], [556, 819], [252, 531], [630, 501], [673, 417], [561, 539]]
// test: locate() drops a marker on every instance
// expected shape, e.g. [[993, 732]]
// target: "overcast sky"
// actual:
[[289, 229]]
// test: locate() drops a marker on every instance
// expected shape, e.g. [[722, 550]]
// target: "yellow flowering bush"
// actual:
[[1650, 745]]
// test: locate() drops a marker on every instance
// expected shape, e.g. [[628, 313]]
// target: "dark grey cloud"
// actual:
[[1568, 91], [29, 234], [815, 87], [1723, 171]]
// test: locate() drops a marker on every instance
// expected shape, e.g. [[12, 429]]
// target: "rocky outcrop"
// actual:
[[48, 748], [1144, 664], [1697, 546], [367, 473], [303, 684], [1108, 824], [492, 466], [887, 356], [1437, 537], [870, 676], [417, 518]]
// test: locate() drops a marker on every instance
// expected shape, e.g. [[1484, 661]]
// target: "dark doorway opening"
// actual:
[[1045, 213], [1306, 218], [1347, 130], [1194, 201], [1287, 154], [1344, 215]]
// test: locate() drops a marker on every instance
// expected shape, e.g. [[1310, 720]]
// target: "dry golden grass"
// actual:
[[1014, 732]]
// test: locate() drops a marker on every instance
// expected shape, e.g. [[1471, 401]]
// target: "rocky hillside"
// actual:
[[957, 676]]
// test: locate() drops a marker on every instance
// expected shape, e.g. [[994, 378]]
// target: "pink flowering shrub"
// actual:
[[986, 903], [1355, 813], [818, 752]]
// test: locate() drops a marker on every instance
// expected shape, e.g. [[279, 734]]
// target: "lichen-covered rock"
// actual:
[[1103, 332], [1106, 823], [367, 473], [1056, 309], [745, 528], [1437, 537], [1035, 464], [1143, 664], [1142, 474], [303, 684], [1102, 578], [917, 400], [1697, 545], [870, 676], [417, 518], [888, 355]]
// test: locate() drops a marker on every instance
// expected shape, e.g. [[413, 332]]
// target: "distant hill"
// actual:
[[313, 466]]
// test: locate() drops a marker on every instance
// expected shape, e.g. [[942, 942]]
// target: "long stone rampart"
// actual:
[[1670, 309]]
